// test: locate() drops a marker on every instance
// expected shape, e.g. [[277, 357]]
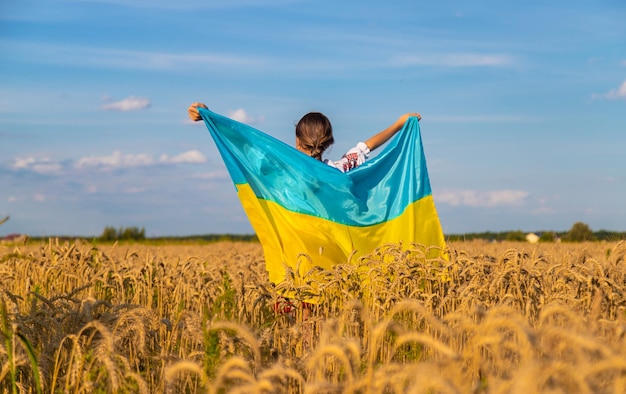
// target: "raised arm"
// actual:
[[193, 111], [382, 137]]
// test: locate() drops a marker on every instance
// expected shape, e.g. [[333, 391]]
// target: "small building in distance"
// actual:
[[14, 238], [532, 238]]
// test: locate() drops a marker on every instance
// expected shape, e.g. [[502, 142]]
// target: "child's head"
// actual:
[[314, 134]]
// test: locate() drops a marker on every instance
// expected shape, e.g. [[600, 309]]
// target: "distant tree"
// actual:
[[109, 234], [579, 232], [123, 233], [605, 235], [548, 236], [132, 233], [516, 236]]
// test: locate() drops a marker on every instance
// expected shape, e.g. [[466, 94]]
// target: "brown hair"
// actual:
[[315, 133]]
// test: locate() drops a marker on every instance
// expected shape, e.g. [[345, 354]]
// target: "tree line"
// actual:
[[139, 234], [579, 232], [123, 234]]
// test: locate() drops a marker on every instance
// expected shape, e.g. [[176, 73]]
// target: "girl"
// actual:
[[314, 134]]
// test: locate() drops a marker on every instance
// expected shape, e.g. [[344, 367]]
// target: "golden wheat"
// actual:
[[494, 317]]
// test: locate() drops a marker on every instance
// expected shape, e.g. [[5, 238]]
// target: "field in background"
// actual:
[[495, 318]]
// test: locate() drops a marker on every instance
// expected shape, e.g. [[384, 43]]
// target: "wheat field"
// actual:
[[203, 318]]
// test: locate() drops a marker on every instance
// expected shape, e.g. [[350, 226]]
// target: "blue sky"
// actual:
[[523, 105]]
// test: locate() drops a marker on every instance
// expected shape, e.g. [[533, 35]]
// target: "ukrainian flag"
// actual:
[[297, 204]]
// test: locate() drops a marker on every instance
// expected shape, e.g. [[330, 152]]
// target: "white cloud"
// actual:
[[12, 199], [125, 160], [106, 58], [131, 103], [23, 163], [473, 198], [47, 168], [613, 94], [240, 115], [89, 56], [115, 160], [39, 197], [134, 190], [221, 174], [192, 156], [453, 60], [40, 166], [195, 4]]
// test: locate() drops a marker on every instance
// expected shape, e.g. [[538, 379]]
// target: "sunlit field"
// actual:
[[202, 318]]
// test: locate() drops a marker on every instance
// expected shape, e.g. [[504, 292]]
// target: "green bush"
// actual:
[[123, 233]]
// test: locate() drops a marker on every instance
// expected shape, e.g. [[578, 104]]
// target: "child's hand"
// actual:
[[193, 111], [402, 120], [406, 117]]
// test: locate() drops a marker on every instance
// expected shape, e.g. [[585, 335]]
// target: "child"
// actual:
[[314, 134]]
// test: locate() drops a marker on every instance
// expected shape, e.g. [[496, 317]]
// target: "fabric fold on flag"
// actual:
[[299, 205]]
